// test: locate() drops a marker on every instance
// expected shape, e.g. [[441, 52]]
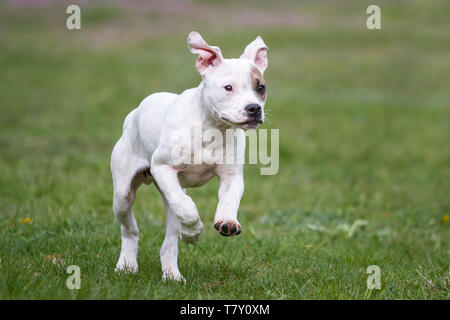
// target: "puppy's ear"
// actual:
[[256, 52], [209, 57]]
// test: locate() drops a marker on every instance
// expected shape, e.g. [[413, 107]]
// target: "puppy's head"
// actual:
[[233, 90]]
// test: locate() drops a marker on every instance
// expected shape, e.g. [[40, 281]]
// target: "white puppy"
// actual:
[[231, 96]]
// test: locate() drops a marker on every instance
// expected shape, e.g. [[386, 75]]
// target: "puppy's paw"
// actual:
[[228, 227], [171, 275], [191, 233], [126, 266]]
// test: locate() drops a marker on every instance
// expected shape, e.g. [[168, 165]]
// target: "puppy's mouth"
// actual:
[[252, 123], [248, 124]]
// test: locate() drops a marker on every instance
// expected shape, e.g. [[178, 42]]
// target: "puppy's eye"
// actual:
[[228, 88], [261, 89]]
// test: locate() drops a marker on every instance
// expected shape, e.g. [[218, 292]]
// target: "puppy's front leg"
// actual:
[[167, 180], [230, 194]]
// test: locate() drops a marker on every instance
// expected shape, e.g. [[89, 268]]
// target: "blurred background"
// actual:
[[364, 148]]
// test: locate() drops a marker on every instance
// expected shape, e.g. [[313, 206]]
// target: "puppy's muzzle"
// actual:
[[254, 112]]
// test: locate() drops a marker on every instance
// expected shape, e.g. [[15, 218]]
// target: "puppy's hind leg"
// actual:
[[123, 201], [126, 181], [169, 249]]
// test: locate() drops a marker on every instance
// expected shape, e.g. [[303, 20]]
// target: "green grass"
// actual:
[[364, 142]]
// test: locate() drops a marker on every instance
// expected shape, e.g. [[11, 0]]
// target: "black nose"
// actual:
[[253, 110]]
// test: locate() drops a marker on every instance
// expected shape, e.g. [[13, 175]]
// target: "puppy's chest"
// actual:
[[195, 175], [199, 159]]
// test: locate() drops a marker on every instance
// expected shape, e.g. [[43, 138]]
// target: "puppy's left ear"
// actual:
[[256, 52], [209, 57]]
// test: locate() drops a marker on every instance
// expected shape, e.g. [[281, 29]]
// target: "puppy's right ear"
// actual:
[[256, 52], [209, 57]]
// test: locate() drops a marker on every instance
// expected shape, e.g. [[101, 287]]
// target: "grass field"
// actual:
[[364, 173]]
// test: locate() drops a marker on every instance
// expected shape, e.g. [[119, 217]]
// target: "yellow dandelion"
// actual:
[[25, 220], [445, 219], [55, 258]]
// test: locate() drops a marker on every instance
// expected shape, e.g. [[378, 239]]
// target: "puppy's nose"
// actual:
[[253, 110]]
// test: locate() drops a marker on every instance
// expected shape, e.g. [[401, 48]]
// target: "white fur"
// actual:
[[146, 143]]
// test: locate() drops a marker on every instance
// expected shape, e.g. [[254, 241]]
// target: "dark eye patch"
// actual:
[[258, 82], [260, 88]]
